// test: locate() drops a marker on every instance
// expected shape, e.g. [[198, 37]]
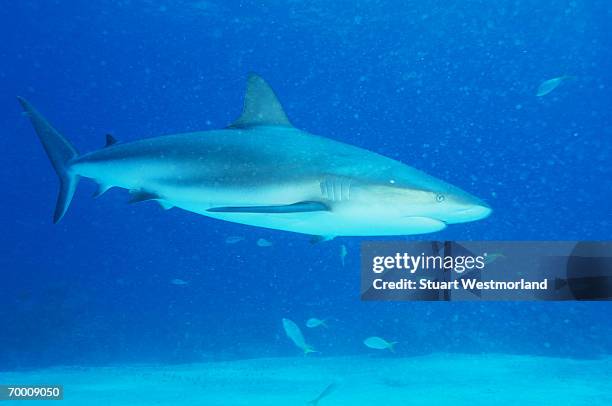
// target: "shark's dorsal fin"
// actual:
[[261, 106], [110, 140]]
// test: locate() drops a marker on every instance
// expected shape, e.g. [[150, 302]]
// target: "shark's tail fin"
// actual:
[[60, 152]]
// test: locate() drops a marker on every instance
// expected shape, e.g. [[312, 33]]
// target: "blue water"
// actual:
[[447, 89]]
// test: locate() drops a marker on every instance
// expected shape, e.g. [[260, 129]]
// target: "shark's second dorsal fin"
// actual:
[[261, 106], [110, 140]]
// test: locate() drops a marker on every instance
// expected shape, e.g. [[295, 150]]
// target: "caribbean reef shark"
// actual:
[[264, 172]]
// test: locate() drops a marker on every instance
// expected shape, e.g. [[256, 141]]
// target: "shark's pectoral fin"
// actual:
[[261, 106], [299, 207], [142, 196]]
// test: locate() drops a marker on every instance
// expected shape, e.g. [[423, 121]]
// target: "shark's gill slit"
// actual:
[[334, 190], [350, 183]]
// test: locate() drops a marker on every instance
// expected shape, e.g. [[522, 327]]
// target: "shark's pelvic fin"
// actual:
[[142, 196], [110, 140], [261, 106], [60, 152], [315, 239], [299, 207]]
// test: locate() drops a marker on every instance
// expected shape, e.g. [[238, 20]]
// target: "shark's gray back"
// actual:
[[242, 154]]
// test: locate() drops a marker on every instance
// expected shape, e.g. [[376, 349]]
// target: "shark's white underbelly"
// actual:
[[346, 217], [334, 224]]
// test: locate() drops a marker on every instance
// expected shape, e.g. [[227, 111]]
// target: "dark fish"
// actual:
[[326, 392]]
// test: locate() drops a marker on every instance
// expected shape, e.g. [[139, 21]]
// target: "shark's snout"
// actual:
[[464, 208], [470, 213]]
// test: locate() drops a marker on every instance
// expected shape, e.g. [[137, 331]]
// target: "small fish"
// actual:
[[262, 242], [549, 85], [492, 257], [343, 253], [378, 343], [179, 282], [233, 239], [295, 334], [314, 322], [326, 392]]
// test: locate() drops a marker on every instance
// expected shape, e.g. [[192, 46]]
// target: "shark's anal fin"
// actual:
[[261, 106], [165, 205], [110, 140], [299, 207], [142, 196]]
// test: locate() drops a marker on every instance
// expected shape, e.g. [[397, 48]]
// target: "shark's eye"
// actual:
[[439, 198]]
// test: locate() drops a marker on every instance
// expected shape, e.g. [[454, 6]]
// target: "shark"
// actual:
[[262, 171]]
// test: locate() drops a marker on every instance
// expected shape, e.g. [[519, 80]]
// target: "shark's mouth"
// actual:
[[423, 224], [473, 213]]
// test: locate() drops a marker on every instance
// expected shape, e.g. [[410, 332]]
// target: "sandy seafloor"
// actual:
[[442, 379]]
